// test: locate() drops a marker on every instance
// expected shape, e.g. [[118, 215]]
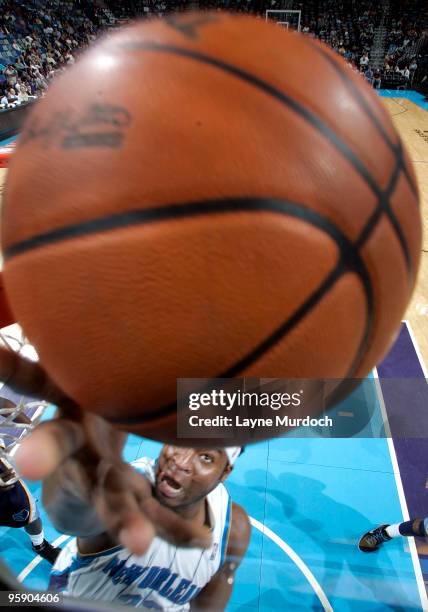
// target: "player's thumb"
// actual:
[[47, 447]]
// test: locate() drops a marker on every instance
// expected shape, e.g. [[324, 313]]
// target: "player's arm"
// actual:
[[90, 492], [22, 418], [111, 496], [19, 418], [6, 471], [215, 596]]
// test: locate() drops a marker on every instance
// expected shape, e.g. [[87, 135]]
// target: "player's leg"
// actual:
[[34, 526], [38, 542], [374, 538]]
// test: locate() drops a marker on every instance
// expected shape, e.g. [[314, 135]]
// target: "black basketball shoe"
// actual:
[[374, 538], [47, 551]]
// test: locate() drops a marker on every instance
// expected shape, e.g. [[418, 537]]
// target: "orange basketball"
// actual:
[[207, 195], [6, 316]]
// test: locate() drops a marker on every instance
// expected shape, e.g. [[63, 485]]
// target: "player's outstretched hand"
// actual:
[[87, 487]]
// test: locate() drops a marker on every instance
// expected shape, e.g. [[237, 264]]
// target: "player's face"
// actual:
[[186, 475]]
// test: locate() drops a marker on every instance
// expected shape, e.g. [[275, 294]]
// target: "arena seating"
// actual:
[[38, 39]]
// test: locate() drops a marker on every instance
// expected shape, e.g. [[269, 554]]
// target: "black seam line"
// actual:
[[144, 216], [365, 106], [391, 215], [310, 117], [325, 286], [384, 207], [281, 332], [350, 259]]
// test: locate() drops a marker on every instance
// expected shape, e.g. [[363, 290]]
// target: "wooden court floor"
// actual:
[[411, 122]]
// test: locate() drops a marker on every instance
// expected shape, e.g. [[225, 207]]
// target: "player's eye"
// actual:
[[205, 458]]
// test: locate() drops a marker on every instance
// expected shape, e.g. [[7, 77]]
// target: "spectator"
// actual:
[[23, 95], [50, 60], [364, 61], [369, 75], [20, 64], [16, 46], [11, 96], [377, 79], [11, 75]]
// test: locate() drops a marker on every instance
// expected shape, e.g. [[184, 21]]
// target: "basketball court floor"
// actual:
[[310, 498]]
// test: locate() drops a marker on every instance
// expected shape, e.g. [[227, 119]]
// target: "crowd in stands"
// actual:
[[348, 26], [404, 39], [40, 39], [132, 9]]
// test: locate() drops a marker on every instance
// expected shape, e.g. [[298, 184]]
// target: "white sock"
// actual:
[[38, 538], [393, 531]]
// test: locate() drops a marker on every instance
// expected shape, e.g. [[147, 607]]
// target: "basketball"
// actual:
[[220, 198]]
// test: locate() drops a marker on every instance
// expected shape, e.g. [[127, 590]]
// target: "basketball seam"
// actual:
[[350, 259], [353, 90], [315, 121], [384, 207]]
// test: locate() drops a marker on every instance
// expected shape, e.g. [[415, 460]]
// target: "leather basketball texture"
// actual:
[[207, 195]]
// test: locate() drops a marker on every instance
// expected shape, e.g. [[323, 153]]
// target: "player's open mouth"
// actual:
[[169, 487]]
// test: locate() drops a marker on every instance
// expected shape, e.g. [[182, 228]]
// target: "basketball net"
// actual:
[[13, 407]]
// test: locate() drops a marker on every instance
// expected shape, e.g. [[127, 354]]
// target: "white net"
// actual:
[[286, 18], [18, 414]]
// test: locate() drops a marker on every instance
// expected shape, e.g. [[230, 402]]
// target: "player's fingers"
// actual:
[[173, 528], [127, 508], [118, 509], [29, 378], [169, 525], [105, 440], [47, 447], [137, 533]]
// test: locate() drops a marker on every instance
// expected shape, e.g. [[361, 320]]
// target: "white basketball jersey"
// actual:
[[164, 578]]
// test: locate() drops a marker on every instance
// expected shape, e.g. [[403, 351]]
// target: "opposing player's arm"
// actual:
[[19, 418], [22, 418], [6, 471], [215, 596]]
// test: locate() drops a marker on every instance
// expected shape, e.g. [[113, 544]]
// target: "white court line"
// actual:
[[297, 560], [417, 349], [35, 562], [399, 484]]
